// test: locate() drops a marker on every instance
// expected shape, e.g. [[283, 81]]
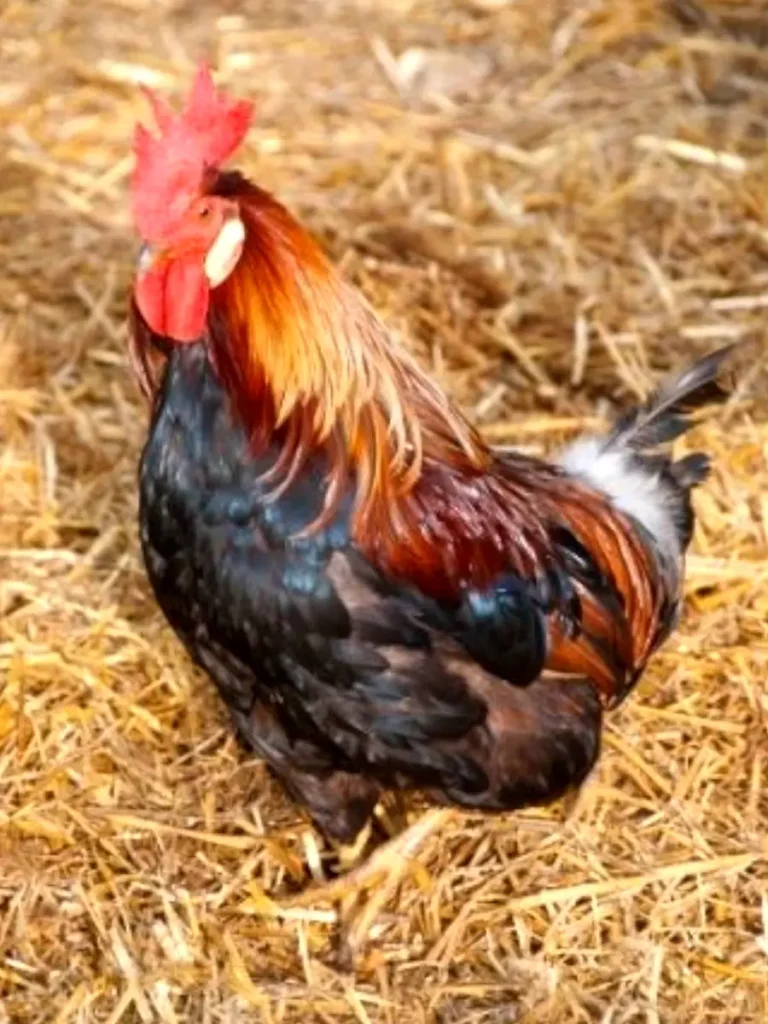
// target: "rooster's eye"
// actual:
[[204, 211]]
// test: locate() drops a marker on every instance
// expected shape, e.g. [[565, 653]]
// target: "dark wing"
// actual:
[[525, 743]]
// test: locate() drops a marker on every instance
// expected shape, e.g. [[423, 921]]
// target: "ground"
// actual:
[[554, 202]]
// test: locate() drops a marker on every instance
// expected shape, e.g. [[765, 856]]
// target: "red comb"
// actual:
[[169, 170]]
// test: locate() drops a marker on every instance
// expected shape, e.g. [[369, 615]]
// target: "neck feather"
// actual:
[[302, 352]]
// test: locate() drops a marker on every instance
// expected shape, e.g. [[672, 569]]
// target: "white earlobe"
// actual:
[[221, 259]]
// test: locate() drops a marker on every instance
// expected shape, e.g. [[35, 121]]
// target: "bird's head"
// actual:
[[192, 238]]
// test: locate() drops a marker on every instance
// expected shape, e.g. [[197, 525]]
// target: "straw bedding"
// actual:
[[554, 202]]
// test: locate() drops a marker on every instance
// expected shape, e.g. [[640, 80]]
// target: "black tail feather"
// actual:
[[663, 418], [691, 471], [667, 413]]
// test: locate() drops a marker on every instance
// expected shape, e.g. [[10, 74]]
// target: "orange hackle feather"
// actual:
[[301, 345]]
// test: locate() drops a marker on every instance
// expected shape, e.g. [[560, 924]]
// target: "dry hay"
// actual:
[[556, 201]]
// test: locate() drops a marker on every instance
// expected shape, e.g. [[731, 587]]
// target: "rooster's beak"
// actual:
[[146, 258]]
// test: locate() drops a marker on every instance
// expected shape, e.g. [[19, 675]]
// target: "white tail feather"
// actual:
[[638, 491]]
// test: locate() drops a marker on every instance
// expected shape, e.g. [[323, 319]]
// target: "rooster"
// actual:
[[383, 601]]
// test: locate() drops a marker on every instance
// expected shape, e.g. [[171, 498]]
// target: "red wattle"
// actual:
[[149, 292], [173, 299]]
